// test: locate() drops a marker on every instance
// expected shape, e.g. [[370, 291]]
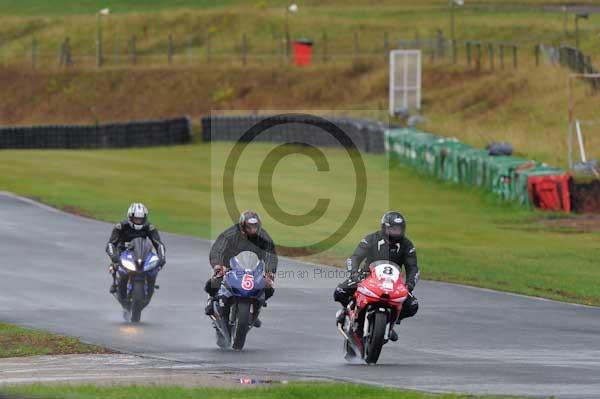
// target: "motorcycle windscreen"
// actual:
[[247, 278], [244, 261], [141, 250]]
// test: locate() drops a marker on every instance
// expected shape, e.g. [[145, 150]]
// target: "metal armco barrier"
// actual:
[[112, 135], [367, 135]]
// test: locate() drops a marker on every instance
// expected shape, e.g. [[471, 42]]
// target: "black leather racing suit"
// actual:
[[233, 241], [374, 247], [123, 233]]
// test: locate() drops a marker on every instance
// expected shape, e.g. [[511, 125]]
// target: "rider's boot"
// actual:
[[209, 309], [262, 304], [340, 316], [393, 336]]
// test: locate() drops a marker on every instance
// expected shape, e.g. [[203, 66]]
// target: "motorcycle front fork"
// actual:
[[225, 311], [130, 286]]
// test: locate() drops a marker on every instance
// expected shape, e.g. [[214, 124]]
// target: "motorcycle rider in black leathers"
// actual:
[[390, 244], [135, 226], [246, 235]]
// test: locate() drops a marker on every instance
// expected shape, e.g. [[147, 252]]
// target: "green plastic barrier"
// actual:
[[449, 159]]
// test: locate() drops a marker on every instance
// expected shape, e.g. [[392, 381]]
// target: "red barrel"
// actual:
[[303, 52]]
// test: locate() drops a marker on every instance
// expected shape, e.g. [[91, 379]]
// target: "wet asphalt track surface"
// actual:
[[54, 276]]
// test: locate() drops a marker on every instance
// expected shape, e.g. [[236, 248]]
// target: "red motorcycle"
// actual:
[[373, 311]]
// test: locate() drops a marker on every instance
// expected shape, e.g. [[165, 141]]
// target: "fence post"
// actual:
[[386, 45], [536, 50], [170, 49], [454, 51], [501, 56], [68, 54], [61, 54], [33, 52], [478, 58], [356, 46], [515, 56], [325, 47], [116, 48], [133, 50], [244, 49], [208, 47], [468, 48], [190, 40], [491, 55]]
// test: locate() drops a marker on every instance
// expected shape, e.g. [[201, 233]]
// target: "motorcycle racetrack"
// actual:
[[463, 339]]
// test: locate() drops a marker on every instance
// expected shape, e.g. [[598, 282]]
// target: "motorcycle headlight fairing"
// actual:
[[129, 265], [152, 263], [365, 291]]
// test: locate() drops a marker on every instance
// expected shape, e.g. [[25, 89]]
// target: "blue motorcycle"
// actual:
[[135, 278], [240, 297]]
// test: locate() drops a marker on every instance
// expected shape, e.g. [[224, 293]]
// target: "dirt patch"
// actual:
[[293, 252], [110, 370], [24, 342], [582, 223], [77, 211], [94, 96]]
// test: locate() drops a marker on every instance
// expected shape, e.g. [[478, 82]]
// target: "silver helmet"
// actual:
[[137, 215]]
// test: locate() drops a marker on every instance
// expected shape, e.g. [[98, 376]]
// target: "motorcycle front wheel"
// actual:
[[137, 301], [376, 337], [241, 324]]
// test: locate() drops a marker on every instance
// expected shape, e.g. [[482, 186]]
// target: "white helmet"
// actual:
[[137, 215]]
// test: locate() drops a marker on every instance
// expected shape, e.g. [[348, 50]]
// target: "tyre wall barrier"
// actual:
[[585, 196], [528, 182], [112, 135], [367, 135]]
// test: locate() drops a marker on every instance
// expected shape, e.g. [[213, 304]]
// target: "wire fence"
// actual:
[[194, 49], [199, 49]]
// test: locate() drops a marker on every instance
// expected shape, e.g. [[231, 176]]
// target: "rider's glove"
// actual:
[[162, 262], [219, 270], [270, 279], [116, 259], [357, 275], [411, 287]]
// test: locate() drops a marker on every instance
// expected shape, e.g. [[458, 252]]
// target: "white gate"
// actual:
[[405, 81]]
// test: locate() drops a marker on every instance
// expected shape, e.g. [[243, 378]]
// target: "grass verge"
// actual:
[[18, 341], [295, 390], [462, 234]]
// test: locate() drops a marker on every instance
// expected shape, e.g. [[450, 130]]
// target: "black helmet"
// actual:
[[250, 223], [393, 225]]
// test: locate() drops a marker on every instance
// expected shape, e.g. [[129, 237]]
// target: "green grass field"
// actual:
[[17, 341], [263, 21], [295, 390], [527, 107], [462, 235]]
